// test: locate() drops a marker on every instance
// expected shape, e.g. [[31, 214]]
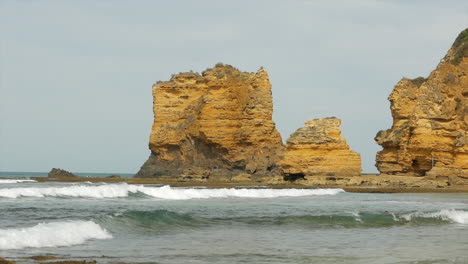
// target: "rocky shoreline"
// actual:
[[49, 259], [364, 183], [215, 129]]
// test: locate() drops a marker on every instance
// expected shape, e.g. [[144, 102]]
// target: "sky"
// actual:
[[76, 76]]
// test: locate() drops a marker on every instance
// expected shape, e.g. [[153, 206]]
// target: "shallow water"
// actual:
[[127, 223]]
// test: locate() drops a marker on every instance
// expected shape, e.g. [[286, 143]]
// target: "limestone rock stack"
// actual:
[[214, 124], [429, 135], [319, 149]]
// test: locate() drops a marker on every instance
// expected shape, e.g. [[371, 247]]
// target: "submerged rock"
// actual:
[[71, 262], [5, 261], [217, 124], [319, 149], [59, 173], [114, 176], [429, 135], [41, 257]]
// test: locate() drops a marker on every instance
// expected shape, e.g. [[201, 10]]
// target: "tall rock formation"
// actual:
[[217, 124], [429, 135], [319, 149]]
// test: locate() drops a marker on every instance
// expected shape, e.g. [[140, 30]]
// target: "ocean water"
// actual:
[[122, 223]]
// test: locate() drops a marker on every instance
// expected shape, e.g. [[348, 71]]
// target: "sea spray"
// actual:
[[103, 191], [456, 216], [164, 192], [55, 234], [8, 181]]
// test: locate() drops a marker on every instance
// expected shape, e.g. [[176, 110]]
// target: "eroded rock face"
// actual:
[[319, 149], [430, 121], [217, 124]]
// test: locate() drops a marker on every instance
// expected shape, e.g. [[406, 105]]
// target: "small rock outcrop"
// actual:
[[429, 135], [59, 173], [319, 149], [214, 124], [5, 261]]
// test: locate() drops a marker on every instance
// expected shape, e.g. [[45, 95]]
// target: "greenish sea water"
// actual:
[[115, 223]]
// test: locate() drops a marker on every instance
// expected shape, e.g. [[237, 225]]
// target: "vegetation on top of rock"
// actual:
[[460, 47], [222, 65], [418, 81], [462, 37]]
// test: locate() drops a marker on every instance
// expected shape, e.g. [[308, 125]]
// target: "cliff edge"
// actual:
[[430, 121], [214, 124]]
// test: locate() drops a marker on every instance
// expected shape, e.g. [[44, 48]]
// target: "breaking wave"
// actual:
[[456, 216], [57, 234], [158, 220], [164, 192], [2, 181], [148, 222]]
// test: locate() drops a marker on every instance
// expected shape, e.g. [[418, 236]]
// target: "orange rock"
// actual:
[[217, 124], [430, 121], [319, 149]]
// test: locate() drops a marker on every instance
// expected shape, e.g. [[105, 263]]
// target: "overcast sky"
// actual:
[[76, 76]]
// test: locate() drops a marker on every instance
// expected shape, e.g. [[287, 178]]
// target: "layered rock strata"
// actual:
[[429, 135], [214, 124], [319, 149]]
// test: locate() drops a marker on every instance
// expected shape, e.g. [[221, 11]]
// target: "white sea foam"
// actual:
[[164, 192], [14, 181], [103, 191], [456, 216], [57, 234], [357, 216]]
